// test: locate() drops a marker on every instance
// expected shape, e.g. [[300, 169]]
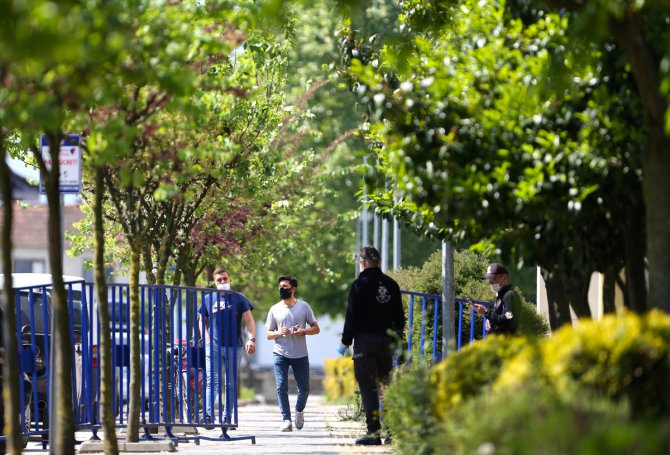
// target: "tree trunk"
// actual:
[[163, 256], [10, 377], [148, 263], [577, 291], [135, 373], [630, 36], [609, 292], [559, 306], [110, 444], [634, 244], [657, 201], [61, 417]]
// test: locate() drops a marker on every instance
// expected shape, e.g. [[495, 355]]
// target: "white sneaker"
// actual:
[[299, 419], [286, 426]]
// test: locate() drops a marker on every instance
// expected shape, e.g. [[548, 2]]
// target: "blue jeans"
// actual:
[[219, 365], [300, 373]]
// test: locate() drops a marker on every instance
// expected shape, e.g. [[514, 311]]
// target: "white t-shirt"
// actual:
[[300, 314]]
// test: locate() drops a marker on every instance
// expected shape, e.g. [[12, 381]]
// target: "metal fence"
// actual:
[[33, 327], [174, 366], [424, 324]]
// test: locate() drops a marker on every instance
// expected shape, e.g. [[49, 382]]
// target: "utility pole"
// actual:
[[396, 244], [448, 296], [385, 245]]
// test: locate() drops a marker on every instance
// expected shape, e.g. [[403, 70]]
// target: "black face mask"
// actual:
[[284, 293]]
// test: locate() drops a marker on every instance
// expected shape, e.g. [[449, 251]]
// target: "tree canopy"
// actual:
[[498, 128]]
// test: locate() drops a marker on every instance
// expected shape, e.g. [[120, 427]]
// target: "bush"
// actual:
[[535, 420], [472, 370], [408, 410], [419, 398], [619, 357], [339, 382], [596, 388]]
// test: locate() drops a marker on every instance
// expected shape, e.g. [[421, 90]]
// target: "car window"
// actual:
[[118, 315], [76, 310], [38, 303]]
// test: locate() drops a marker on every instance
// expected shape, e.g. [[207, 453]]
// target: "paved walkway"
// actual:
[[325, 432]]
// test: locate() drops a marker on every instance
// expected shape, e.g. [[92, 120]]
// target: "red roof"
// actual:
[[30, 224]]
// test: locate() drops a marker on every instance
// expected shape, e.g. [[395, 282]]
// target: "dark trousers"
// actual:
[[373, 362]]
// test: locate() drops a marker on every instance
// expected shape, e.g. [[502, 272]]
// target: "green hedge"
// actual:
[[600, 387]]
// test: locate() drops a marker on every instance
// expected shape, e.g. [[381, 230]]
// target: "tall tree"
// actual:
[[640, 30], [11, 372], [477, 147], [56, 55]]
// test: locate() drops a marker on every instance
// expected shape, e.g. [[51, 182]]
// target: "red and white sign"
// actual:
[[69, 160]]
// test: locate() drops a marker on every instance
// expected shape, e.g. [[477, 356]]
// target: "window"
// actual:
[[29, 266]]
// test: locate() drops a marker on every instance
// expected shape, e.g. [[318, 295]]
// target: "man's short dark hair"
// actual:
[[290, 278], [219, 271], [371, 254]]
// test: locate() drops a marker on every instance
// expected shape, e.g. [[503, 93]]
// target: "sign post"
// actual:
[[69, 158]]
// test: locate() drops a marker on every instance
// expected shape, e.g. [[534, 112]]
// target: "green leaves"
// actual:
[[481, 135]]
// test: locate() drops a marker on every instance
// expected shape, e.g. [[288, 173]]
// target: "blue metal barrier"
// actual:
[[173, 362], [33, 328], [172, 350], [173, 354], [429, 314]]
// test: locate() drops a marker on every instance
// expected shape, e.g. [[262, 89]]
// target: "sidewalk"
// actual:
[[325, 432]]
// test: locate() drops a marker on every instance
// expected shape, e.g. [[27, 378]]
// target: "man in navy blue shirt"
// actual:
[[220, 319]]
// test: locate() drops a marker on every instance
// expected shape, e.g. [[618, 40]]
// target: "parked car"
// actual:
[[35, 297]]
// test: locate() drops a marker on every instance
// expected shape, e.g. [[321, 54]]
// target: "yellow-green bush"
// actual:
[[339, 381], [465, 374], [579, 387], [619, 357]]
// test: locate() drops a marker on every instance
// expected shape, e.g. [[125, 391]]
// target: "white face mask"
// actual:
[[223, 287], [495, 287]]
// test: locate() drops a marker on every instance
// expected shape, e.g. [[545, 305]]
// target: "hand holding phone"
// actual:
[[480, 309]]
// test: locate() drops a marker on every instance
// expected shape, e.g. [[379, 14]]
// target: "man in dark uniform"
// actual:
[[375, 321], [500, 318]]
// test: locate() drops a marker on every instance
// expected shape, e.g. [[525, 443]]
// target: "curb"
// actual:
[[162, 445]]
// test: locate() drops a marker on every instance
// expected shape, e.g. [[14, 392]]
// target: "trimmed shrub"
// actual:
[[596, 388], [536, 420], [418, 399], [531, 323], [618, 357], [471, 371], [408, 410]]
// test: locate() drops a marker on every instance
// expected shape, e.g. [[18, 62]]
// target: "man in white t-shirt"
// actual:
[[289, 321]]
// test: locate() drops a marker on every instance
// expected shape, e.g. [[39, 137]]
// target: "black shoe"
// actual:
[[369, 440], [387, 440], [207, 424]]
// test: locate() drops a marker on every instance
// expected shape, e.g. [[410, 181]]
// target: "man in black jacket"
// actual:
[[500, 318], [375, 321]]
